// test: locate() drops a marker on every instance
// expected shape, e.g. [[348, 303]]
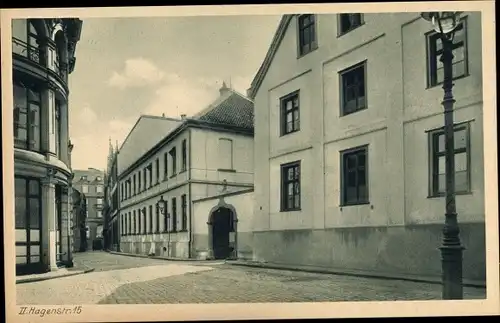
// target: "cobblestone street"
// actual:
[[130, 280]]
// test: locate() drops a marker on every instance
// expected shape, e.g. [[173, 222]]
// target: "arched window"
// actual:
[[27, 105], [25, 39]]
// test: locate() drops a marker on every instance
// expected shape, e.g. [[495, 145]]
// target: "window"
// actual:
[[150, 172], [157, 214], [99, 189], [290, 118], [125, 229], [139, 182], [122, 191], [165, 165], [57, 126], [174, 214], [25, 40], [144, 219], [165, 217], [135, 223], [150, 219], [99, 214], [173, 156], [438, 157], [225, 154], [435, 73], [28, 215], [87, 230], [134, 187], [307, 34], [157, 170], [184, 212], [27, 106], [98, 178], [349, 21], [145, 178], [139, 215], [353, 89], [354, 180], [129, 222], [184, 155], [290, 186], [85, 189], [83, 178], [99, 201]]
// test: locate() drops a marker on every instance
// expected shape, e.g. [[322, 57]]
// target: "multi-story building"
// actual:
[[43, 56], [111, 202], [177, 161], [90, 183], [349, 162]]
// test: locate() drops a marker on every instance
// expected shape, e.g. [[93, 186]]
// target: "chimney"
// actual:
[[163, 115], [183, 117], [224, 89]]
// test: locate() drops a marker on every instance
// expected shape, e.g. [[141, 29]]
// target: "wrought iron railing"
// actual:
[[22, 48]]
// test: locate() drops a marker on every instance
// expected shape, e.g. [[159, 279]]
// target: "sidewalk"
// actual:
[[355, 273], [201, 261], [77, 269]]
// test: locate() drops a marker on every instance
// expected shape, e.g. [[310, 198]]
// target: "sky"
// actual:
[[126, 67]]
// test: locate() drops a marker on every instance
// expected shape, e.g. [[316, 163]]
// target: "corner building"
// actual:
[[349, 162], [43, 53]]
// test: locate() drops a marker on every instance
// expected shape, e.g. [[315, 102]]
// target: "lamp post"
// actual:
[[161, 206], [451, 249]]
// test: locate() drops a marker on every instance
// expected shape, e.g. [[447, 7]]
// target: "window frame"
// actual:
[[343, 155], [184, 156], [432, 58], [363, 64], [150, 213], [29, 123], [165, 165], [284, 181], [166, 217], [174, 215], [283, 113], [341, 32], [184, 212], [313, 45], [433, 160], [173, 157]]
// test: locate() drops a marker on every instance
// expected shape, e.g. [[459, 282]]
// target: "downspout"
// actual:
[[69, 214], [190, 251]]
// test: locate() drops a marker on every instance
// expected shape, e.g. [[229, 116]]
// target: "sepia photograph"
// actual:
[[265, 157]]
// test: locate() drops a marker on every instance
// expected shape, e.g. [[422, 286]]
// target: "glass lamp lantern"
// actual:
[[443, 22]]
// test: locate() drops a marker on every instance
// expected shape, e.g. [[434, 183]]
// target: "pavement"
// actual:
[[121, 279]]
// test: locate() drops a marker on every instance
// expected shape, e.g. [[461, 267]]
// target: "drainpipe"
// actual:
[[69, 214], [190, 244]]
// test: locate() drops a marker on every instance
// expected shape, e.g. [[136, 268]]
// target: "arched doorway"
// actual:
[[222, 233]]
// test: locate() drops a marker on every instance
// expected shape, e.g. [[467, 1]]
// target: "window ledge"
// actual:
[[299, 55], [183, 171], [361, 203], [441, 195], [432, 86], [283, 134], [291, 210], [342, 114], [226, 170], [340, 34], [173, 175]]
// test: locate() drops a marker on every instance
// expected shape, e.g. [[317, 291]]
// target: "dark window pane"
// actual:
[[20, 187], [362, 177], [351, 161], [32, 29], [297, 172], [19, 29], [363, 193], [441, 144], [361, 159], [296, 102], [34, 188], [297, 201], [34, 213], [458, 68], [34, 122], [33, 96], [289, 202], [351, 179], [20, 210], [351, 195]]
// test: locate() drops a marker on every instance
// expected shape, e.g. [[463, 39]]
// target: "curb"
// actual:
[[354, 274], [37, 279], [156, 257]]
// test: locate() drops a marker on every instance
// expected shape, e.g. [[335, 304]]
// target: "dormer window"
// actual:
[[83, 178]]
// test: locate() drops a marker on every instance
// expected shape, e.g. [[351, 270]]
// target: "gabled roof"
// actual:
[[235, 110], [273, 48]]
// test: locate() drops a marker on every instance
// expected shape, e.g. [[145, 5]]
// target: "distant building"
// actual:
[[349, 163], [111, 202], [90, 183], [43, 56], [181, 161]]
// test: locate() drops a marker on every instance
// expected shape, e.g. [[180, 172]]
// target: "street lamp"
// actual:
[[451, 250], [161, 204]]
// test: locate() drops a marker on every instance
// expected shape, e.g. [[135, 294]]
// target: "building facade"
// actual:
[[43, 56], [199, 157], [90, 183], [349, 163], [111, 202]]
